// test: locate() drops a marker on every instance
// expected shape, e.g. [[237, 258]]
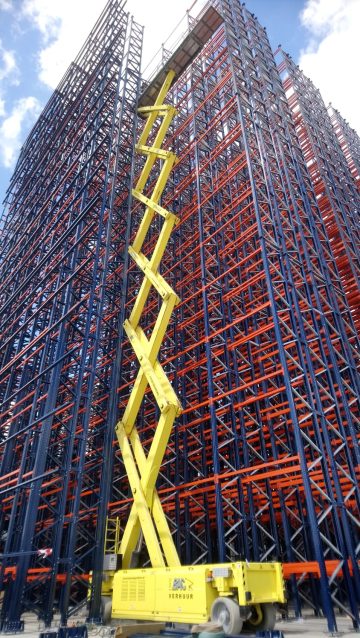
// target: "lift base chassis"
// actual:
[[186, 594]]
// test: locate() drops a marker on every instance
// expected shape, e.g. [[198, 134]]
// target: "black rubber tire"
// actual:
[[267, 622], [106, 604], [226, 612]]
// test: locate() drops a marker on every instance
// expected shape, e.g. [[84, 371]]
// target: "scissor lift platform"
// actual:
[[230, 594], [185, 53]]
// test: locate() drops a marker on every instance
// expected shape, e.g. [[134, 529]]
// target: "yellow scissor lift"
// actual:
[[229, 594]]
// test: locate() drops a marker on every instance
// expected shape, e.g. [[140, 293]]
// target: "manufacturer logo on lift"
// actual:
[[180, 584], [181, 587]]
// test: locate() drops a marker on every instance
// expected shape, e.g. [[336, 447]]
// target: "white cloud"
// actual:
[[23, 115], [8, 67], [44, 15], [64, 27], [9, 73], [161, 19], [333, 52], [5, 5]]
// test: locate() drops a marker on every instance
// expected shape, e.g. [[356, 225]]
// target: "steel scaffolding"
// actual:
[[262, 350], [349, 142], [64, 244], [336, 192]]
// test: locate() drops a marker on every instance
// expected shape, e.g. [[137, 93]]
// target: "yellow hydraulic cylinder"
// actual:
[[146, 513]]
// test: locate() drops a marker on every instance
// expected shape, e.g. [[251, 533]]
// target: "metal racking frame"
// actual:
[[349, 142], [336, 192], [262, 350], [64, 244]]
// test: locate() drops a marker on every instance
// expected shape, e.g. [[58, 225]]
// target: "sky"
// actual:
[[39, 39]]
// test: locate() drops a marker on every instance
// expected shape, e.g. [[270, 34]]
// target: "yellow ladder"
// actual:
[[146, 513], [112, 536]]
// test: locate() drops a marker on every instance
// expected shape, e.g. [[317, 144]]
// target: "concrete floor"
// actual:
[[309, 627]]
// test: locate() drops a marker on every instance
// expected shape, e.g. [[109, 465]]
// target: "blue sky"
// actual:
[[39, 38]]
